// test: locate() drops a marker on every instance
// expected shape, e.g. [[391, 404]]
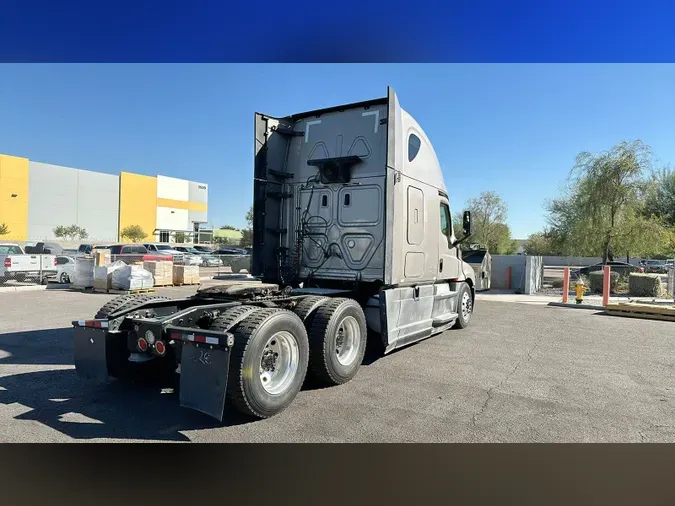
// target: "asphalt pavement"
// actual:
[[519, 373]]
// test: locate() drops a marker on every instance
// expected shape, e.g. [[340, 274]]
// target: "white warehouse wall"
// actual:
[[169, 218], [172, 188]]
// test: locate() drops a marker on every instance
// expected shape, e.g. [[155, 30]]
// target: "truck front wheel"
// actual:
[[464, 307], [268, 363], [337, 340]]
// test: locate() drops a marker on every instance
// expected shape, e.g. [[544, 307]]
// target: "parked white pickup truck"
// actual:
[[16, 265]]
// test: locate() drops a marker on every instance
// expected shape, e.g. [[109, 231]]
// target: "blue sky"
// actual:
[[514, 129]]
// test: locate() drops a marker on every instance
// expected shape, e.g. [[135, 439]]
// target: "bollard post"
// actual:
[[605, 285], [566, 284], [508, 277]]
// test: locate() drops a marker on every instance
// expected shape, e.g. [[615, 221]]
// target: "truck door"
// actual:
[[448, 261]]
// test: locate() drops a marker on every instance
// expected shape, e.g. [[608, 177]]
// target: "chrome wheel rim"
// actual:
[[279, 362], [467, 306], [347, 340]]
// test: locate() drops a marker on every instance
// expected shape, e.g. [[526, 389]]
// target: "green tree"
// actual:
[[540, 244], [4, 229], [180, 237], [660, 199], [488, 214], [247, 233], [70, 233], [228, 227], [599, 211], [134, 233]]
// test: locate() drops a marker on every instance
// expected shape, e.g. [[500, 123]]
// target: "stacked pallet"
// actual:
[[185, 274], [162, 272], [646, 311]]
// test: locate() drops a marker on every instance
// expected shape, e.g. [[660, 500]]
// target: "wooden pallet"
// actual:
[[167, 284], [126, 292], [646, 311], [82, 288], [186, 284]]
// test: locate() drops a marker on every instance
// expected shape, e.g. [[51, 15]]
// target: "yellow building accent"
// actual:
[[181, 204], [138, 203], [14, 197]]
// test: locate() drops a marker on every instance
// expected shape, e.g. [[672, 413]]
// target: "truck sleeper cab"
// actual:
[[352, 235]]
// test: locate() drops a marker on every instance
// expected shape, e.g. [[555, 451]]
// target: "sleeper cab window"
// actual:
[[414, 144]]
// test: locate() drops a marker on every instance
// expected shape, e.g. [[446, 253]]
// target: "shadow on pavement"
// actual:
[[49, 347], [84, 410]]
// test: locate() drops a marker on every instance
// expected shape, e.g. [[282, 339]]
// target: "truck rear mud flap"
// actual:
[[90, 353], [203, 379], [204, 366]]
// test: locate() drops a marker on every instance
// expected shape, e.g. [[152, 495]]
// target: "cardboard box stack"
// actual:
[[162, 272], [102, 257], [185, 274], [103, 275]]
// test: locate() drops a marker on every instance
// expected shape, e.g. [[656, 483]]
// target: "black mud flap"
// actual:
[[203, 378], [89, 350]]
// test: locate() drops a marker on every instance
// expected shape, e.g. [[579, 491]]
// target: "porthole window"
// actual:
[[414, 144]]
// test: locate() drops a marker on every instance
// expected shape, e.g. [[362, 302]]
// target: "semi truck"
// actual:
[[353, 240]]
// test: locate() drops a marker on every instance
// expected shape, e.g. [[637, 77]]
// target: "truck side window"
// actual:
[[446, 227], [414, 144]]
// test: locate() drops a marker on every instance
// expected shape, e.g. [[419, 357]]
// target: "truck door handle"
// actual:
[[440, 266]]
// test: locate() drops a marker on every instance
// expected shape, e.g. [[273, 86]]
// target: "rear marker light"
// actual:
[[160, 348], [150, 337], [142, 344], [8, 262]]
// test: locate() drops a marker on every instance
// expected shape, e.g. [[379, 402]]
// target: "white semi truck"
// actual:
[[353, 237]]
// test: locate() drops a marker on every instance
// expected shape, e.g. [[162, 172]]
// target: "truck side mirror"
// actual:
[[466, 223]]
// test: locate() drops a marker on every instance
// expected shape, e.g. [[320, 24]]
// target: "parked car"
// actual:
[[17, 265], [65, 269], [230, 251], [205, 249], [130, 253], [206, 259], [655, 266], [87, 249], [622, 268], [45, 248], [164, 249]]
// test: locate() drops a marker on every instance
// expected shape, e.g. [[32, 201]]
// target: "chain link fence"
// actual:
[[20, 269]]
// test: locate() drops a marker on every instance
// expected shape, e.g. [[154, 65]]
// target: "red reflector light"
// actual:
[[160, 348], [92, 323], [176, 336], [142, 344], [8, 262], [200, 339]]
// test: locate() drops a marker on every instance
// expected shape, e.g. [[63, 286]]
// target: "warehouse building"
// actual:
[[37, 197]]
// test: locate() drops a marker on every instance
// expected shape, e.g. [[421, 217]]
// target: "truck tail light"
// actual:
[[142, 344], [8, 262], [160, 348], [54, 261]]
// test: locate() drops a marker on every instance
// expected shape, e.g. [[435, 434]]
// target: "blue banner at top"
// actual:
[[345, 31]]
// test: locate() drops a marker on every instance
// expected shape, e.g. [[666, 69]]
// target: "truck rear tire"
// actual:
[[337, 340], [231, 317], [464, 307], [118, 303], [307, 306], [268, 362]]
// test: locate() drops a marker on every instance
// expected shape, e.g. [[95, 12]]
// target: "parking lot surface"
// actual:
[[519, 373]]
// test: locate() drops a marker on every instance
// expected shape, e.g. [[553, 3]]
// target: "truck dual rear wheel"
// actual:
[[337, 340], [268, 362]]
